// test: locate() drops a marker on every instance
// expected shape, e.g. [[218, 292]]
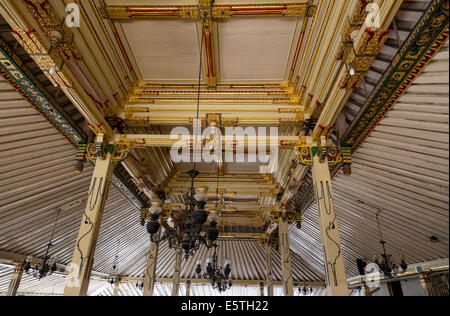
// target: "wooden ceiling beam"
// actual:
[[235, 282], [151, 140], [126, 12]]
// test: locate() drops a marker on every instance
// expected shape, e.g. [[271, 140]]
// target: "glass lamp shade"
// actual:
[[202, 195], [186, 243], [227, 270], [209, 268], [200, 217], [155, 209], [153, 227], [212, 233]]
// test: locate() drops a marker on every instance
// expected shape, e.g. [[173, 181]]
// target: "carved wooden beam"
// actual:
[[300, 9]]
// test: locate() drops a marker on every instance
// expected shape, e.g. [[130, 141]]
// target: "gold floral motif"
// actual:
[[188, 13], [296, 10], [116, 13], [354, 23], [49, 22], [369, 47], [44, 60], [222, 13]]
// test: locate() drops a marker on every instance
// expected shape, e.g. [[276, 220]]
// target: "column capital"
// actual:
[[277, 213], [333, 154]]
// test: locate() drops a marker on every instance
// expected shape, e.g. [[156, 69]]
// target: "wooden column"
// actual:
[[336, 279], [77, 281], [15, 280], [426, 284], [188, 288], [286, 263], [269, 270], [177, 272], [150, 272], [116, 289], [367, 291]]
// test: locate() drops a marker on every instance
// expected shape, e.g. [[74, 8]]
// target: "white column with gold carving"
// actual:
[[269, 270], [15, 280], [177, 272], [286, 263], [77, 281], [336, 279], [150, 271], [188, 287], [116, 288]]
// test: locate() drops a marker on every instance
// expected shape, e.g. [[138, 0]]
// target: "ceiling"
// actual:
[[39, 180], [253, 68]]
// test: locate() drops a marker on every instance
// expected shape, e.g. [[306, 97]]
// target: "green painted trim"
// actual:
[[421, 46], [13, 70]]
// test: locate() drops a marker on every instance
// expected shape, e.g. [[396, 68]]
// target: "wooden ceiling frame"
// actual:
[[207, 17]]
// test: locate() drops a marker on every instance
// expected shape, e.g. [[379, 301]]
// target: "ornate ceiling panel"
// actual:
[[255, 49], [164, 50]]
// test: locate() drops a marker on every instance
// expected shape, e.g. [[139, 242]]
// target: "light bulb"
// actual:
[[52, 70], [352, 70]]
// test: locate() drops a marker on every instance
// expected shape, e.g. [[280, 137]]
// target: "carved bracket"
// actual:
[[271, 241], [276, 215], [306, 154], [99, 150]]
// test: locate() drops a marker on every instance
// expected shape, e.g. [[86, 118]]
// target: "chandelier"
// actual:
[[140, 286], [114, 276], [387, 266], [183, 230], [303, 290], [48, 265], [218, 277]]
